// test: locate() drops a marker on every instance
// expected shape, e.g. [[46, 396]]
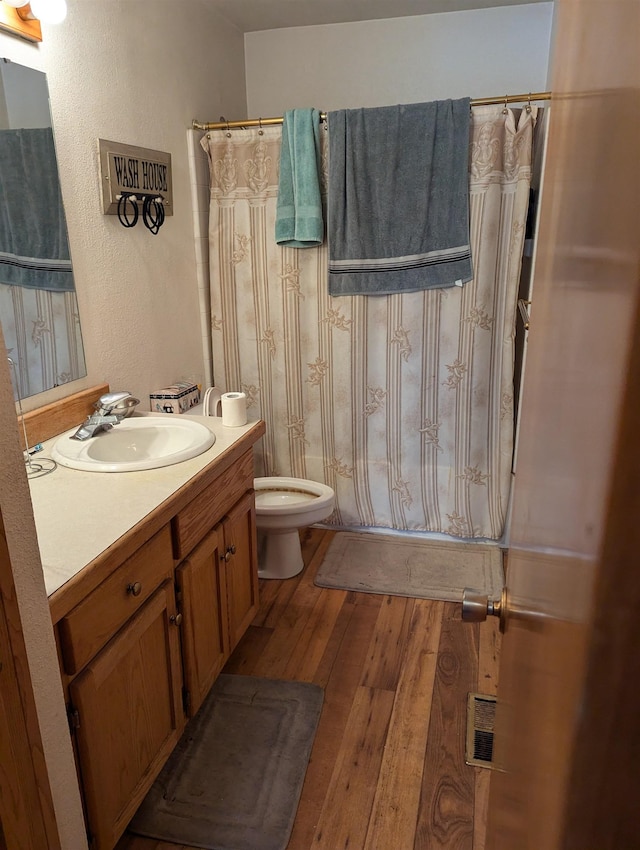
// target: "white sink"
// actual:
[[134, 444]]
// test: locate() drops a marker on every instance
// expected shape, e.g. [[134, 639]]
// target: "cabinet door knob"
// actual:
[[232, 549], [134, 589], [226, 556], [176, 619]]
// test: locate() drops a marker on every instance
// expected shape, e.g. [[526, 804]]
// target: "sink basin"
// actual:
[[135, 444]]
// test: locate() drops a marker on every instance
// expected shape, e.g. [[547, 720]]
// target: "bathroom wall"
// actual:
[[477, 53], [138, 72]]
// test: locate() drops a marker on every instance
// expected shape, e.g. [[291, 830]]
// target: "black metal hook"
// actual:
[[123, 213], [153, 213]]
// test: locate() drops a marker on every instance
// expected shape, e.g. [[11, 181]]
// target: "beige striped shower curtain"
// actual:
[[42, 336], [402, 403]]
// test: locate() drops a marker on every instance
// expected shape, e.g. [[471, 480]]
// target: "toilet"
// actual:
[[284, 505]]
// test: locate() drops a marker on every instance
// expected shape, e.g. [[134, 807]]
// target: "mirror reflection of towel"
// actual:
[[398, 198], [34, 248]]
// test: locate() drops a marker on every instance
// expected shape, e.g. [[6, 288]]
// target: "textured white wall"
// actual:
[[478, 53], [138, 72]]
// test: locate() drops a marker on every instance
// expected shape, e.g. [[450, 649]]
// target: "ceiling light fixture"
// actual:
[[49, 11], [16, 18]]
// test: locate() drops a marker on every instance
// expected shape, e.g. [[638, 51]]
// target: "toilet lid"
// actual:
[[279, 496]]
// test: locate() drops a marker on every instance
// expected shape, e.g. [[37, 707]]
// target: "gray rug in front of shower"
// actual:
[[235, 778], [407, 566]]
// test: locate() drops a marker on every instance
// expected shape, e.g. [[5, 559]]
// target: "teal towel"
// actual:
[[299, 220]]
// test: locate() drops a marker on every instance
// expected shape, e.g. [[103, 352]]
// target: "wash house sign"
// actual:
[[140, 171]]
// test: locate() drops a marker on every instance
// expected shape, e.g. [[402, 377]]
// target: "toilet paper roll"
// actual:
[[234, 409]]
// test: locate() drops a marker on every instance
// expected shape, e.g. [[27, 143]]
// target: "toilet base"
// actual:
[[280, 555]]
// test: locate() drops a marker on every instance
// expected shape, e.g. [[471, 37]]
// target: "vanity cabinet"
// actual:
[[240, 563], [94, 621], [141, 649], [128, 704], [217, 583], [125, 703], [202, 592]]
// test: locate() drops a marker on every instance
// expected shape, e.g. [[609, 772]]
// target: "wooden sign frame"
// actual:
[[127, 168]]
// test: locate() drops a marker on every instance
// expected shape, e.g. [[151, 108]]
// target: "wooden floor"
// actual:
[[387, 769]]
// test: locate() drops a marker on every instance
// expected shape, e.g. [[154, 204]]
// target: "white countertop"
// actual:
[[80, 514]]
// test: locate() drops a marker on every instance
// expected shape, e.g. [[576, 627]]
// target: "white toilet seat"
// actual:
[[276, 496], [283, 506]]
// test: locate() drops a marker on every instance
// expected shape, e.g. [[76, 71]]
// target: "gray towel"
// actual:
[[34, 249], [398, 203]]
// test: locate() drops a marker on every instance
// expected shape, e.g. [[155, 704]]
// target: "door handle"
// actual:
[[476, 606]]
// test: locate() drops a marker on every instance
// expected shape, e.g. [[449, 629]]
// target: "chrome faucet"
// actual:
[[111, 408]]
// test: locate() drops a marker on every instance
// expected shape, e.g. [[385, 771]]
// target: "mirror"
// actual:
[[38, 307]]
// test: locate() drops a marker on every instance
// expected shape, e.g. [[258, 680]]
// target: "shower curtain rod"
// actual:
[[265, 122]]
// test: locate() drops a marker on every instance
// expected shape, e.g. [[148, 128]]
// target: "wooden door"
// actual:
[[241, 566], [202, 590], [567, 730], [27, 820], [130, 717]]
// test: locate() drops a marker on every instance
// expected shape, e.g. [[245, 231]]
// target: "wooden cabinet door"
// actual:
[[203, 603], [129, 716], [241, 566]]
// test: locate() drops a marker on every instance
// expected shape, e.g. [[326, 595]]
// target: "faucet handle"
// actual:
[[120, 403]]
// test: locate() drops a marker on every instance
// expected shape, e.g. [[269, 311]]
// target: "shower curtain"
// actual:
[[403, 404], [42, 336]]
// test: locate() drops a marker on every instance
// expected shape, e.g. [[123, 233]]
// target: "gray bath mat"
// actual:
[[403, 566], [235, 778]]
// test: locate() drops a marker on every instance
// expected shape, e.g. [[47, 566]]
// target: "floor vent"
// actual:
[[481, 713]]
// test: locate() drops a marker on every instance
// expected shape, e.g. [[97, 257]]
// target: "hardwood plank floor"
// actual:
[[387, 769]]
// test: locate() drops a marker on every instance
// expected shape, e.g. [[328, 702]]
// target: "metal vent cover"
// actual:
[[481, 713]]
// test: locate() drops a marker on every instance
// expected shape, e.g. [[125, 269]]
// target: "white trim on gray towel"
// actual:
[[409, 259], [34, 262]]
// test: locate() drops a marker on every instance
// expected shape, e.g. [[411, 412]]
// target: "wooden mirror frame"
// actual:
[[52, 419]]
